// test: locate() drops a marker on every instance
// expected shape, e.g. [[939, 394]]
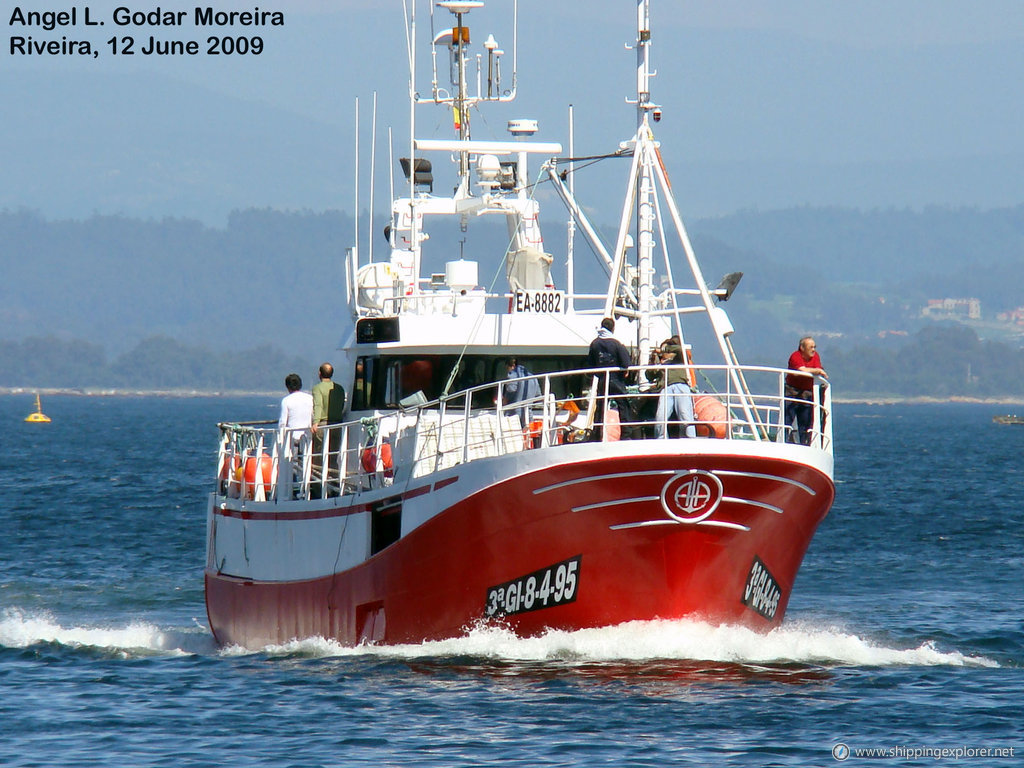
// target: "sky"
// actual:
[[768, 104]]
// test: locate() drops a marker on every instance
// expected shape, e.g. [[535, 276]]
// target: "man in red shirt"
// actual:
[[800, 389]]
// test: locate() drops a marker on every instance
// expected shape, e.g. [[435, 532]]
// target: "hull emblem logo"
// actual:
[[692, 496]]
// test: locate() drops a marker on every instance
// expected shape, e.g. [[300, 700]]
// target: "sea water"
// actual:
[[904, 635]]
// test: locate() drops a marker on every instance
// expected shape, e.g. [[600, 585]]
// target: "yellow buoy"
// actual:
[[38, 417]]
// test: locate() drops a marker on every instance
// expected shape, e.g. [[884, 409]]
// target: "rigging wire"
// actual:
[[594, 159]]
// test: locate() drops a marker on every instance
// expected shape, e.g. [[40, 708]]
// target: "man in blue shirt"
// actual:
[[519, 388]]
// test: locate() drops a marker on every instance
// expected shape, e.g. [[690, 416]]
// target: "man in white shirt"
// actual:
[[296, 409]]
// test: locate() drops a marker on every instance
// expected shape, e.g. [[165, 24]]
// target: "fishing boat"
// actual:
[[38, 417], [483, 473]]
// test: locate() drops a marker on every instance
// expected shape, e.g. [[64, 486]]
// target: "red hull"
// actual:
[[633, 560]]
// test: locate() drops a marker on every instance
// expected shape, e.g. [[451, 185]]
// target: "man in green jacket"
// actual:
[[675, 396], [328, 408]]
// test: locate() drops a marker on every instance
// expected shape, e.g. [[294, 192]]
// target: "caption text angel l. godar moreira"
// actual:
[[34, 32]]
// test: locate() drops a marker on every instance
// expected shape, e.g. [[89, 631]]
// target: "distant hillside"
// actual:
[[854, 276], [274, 280], [268, 278], [889, 247]]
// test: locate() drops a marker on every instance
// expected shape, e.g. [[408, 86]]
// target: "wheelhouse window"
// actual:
[[362, 388], [380, 383]]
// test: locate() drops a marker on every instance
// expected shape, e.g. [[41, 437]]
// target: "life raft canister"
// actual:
[[369, 458], [264, 466], [711, 411]]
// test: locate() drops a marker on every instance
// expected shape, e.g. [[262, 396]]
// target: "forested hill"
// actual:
[[267, 279], [113, 301], [934, 252]]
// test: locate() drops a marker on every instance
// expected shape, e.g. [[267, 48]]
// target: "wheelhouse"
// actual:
[[384, 381]]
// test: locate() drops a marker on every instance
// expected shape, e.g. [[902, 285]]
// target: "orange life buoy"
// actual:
[[369, 458], [262, 465], [711, 411]]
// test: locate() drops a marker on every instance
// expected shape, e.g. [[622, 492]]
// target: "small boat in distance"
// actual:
[[38, 417], [1008, 418]]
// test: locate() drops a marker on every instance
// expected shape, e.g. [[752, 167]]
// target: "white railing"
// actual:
[[257, 461]]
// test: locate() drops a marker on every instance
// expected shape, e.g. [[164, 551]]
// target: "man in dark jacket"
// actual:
[[608, 352]]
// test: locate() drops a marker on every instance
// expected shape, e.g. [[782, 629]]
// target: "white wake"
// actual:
[[641, 641], [637, 641], [19, 629]]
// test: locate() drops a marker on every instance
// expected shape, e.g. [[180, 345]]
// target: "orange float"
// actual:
[[262, 465], [369, 458], [712, 412]]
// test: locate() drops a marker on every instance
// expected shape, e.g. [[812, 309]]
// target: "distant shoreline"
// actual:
[[115, 392], [927, 400]]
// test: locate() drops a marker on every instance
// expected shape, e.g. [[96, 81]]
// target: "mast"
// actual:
[[643, 60], [373, 175], [570, 275], [647, 177], [461, 102], [414, 234], [645, 181], [460, 39], [355, 166]]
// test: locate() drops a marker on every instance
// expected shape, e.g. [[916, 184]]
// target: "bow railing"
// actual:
[[259, 462]]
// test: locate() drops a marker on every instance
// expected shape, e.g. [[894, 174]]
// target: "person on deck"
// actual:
[[675, 398], [328, 399], [328, 408], [800, 389], [608, 352], [296, 411], [519, 388]]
